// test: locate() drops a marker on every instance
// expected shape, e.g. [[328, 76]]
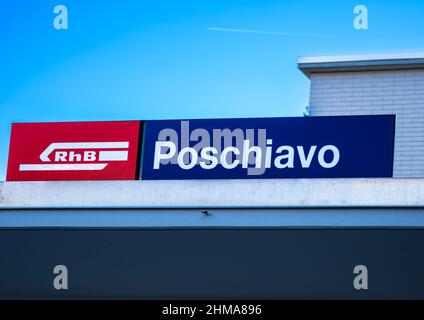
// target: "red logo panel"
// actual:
[[106, 150]]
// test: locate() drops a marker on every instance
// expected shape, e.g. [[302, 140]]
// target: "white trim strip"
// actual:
[[367, 57], [247, 193], [113, 155], [63, 167]]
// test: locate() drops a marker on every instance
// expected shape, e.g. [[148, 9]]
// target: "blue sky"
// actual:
[[163, 60]]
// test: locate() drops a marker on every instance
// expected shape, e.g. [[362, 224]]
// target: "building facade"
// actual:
[[374, 84]]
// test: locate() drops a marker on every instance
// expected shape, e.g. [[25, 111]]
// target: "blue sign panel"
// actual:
[[309, 147]]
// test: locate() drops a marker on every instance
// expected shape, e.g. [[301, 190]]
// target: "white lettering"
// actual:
[[289, 156], [90, 156], [206, 156], [224, 162], [336, 156], [258, 155], [247, 150], [159, 156], [60, 156], [74, 156], [192, 160], [306, 161]]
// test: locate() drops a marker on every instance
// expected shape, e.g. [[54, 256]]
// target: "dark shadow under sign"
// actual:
[[212, 263]]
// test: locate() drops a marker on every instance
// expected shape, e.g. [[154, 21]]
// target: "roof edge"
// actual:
[[245, 193], [372, 62]]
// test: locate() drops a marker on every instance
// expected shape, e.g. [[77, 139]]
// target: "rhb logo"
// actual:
[[90, 156], [60, 151]]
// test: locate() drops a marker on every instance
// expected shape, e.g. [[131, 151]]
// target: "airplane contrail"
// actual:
[[276, 33]]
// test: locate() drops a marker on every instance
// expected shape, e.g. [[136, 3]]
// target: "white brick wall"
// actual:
[[378, 92]]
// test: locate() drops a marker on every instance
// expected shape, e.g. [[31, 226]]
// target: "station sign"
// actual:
[[258, 148], [104, 150]]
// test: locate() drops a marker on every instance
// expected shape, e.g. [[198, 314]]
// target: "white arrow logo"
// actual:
[[103, 156]]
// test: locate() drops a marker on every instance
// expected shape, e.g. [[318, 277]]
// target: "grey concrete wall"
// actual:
[[398, 92], [202, 194]]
